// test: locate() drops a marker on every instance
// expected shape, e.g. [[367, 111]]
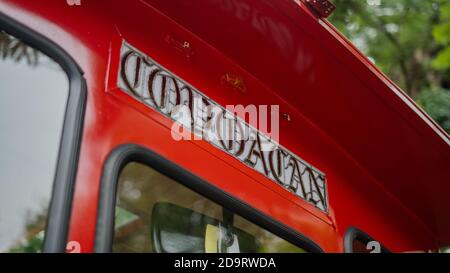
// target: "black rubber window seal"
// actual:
[[56, 232], [127, 153], [353, 234]]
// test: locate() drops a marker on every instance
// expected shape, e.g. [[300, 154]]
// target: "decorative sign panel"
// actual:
[[158, 88]]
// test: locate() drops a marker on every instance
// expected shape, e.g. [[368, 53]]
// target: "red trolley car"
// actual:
[[90, 160]]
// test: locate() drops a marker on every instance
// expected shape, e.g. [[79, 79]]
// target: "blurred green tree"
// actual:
[[437, 103], [409, 40], [441, 34]]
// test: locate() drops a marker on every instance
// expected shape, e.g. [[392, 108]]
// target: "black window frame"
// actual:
[[127, 153], [353, 234], [56, 231]]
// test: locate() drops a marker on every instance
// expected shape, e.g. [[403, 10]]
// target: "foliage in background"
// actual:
[[441, 34], [438, 104], [12, 48], [409, 40]]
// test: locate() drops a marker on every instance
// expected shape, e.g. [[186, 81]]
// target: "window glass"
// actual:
[[33, 96], [357, 241], [156, 214], [444, 250]]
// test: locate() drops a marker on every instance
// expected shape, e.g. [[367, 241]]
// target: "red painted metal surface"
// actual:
[[387, 164], [323, 8]]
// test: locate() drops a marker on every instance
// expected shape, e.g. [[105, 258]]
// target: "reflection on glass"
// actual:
[[156, 214], [33, 97]]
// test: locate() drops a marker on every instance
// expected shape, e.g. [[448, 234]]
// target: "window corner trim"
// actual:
[[354, 233]]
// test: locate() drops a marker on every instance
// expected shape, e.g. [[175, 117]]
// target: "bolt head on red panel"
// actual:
[[323, 7]]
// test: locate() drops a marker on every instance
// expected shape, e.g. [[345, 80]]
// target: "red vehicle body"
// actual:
[[387, 163]]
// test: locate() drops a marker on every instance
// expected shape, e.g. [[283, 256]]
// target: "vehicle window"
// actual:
[[360, 246], [33, 95], [156, 214], [357, 241]]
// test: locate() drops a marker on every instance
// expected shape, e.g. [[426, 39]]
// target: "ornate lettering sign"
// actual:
[[153, 85]]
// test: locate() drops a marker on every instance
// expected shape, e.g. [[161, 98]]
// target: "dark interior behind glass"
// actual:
[[156, 214]]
